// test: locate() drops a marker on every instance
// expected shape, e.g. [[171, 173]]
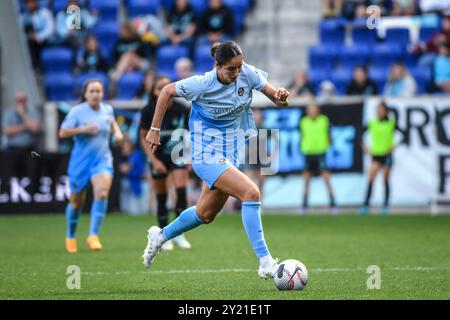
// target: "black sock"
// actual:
[[163, 217], [181, 204], [369, 193], [332, 203], [386, 193], [305, 200]]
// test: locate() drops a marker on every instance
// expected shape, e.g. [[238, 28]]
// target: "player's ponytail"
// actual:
[[224, 52]]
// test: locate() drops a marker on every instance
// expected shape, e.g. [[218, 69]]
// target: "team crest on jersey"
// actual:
[[240, 91]]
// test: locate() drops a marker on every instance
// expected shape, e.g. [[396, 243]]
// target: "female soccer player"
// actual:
[[221, 101], [161, 165], [381, 131], [90, 124]]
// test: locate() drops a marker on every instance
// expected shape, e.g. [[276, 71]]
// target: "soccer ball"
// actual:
[[291, 275]]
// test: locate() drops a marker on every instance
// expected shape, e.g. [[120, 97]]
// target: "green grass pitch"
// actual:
[[413, 253]]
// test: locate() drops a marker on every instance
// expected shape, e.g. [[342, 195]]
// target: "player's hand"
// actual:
[[118, 136], [152, 139], [160, 168], [91, 129], [281, 94]]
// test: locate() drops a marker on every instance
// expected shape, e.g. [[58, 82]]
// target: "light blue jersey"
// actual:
[[91, 154], [221, 118]]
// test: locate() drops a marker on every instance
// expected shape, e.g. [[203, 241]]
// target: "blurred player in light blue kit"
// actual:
[[90, 124], [221, 100]]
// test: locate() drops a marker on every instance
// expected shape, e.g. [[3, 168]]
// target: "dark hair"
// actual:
[[224, 52], [386, 108], [85, 86], [159, 78]]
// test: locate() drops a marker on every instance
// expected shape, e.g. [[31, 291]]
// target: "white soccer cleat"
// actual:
[[167, 246], [181, 242], [269, 271], [153, 248]]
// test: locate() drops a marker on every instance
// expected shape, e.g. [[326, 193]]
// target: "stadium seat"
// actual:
[[239, 9], [398, 36], [129, 84], [91, 75], [354, 55], [423, 77], [316, 76], [142, 7], [385, 54], [331, 32], [167, 4], [108, 9], [322, 57], [59, 86], [364, 37], [426, 32], [42, 3], [341, 78], [199, 7], [166, 57], [203, 60], [379, 76], [107, 34], [58, 59], [59, 5]]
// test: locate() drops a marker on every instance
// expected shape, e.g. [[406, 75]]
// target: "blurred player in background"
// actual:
[[221, 100], [161, 164], [315, 141], [381, 130], [90, 124]]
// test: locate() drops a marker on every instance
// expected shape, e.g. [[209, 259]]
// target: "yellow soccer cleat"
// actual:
[[71, 245], [94, 243]]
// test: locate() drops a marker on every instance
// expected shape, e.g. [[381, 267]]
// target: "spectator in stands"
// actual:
[[442, 68], [75, 37], [217, 21], [331, 8], [361, 85], [21, 125], [300, 86], [39, 28], [183, 68], [130, 53], [430, 48], [91, 59], [327, 90], [180, 28], [400, 83], [404, 7], [145, 90]]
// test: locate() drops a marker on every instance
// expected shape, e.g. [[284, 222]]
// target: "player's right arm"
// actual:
[[71, 126]]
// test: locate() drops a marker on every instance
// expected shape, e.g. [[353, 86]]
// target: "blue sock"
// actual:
[[98, 211], [186, 221], [72, 216], [251, 219]]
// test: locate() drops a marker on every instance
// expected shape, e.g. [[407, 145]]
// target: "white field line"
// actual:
[[194, 271]]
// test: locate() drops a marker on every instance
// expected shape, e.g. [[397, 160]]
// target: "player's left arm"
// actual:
[[279, 96], [115, 129]]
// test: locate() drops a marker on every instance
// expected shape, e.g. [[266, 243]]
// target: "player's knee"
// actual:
[[252, 194], [101, 194], [207, 216]]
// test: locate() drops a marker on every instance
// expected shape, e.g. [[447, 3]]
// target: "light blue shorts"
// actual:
[[210, 172], [79, 181]]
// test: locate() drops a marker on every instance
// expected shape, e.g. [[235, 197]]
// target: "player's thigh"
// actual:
[[235, 183], [326, 175], [101, 184], [77, 199], [210, 203], [374, 167], [180, 177], [386, 172]]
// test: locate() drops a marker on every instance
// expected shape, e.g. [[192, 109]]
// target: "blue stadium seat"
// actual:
[[57, 59], [426, 32], [423, 77], [316, 76], [239, 9], [331, 32], [143, 7], [59, 5], [364, 36], [107, 34], [322, 57], [167, 4], [353, 56], [379, 76], [129, 84], [92, 75], [166, 57], [199, 7], [203, 60], [384, 54], [59, 86], [108, 9], [42, 3], [341, 78], [398, 36]]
